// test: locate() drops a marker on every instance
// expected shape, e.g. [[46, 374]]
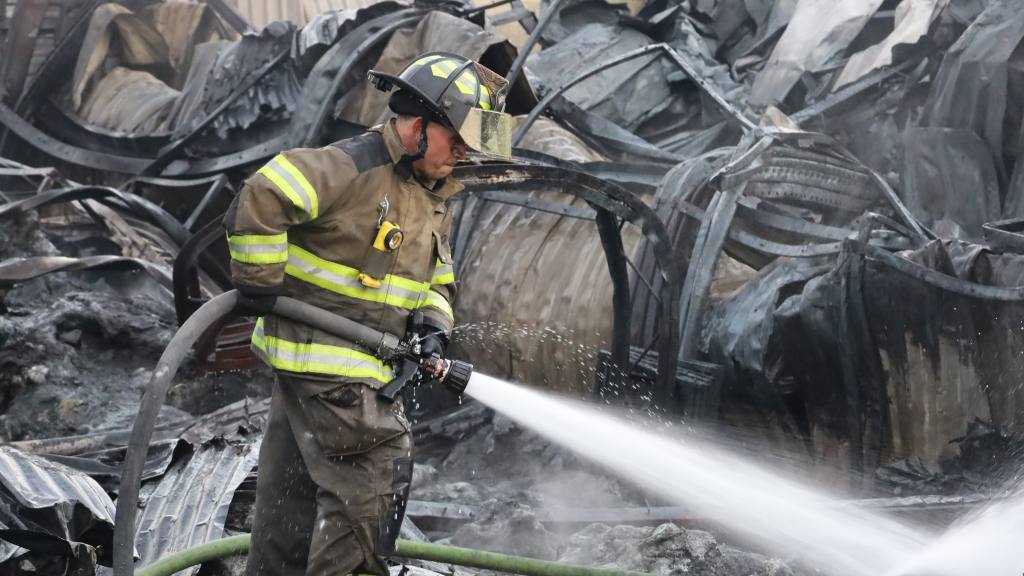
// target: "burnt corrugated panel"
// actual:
[[190, 505], [41, 496], [312, 8], [263, 12]]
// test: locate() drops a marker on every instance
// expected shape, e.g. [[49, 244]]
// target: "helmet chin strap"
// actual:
[[404, 165]]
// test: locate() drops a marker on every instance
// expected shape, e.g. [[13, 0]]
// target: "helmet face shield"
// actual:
[[469, 97], [487, 132]]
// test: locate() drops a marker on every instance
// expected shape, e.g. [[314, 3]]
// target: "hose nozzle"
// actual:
[[454, 374], [457, 376]]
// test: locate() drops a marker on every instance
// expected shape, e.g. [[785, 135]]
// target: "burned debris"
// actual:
[[796, 224]]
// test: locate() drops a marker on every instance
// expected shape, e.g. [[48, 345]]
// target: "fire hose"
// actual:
[[239, 544], [411, 369]]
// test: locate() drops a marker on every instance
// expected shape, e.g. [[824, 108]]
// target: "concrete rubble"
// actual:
[[723, 211]]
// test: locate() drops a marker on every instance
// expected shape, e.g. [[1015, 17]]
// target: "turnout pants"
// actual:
[[334, 474]]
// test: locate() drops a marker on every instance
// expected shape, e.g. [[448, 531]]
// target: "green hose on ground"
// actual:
[[406, 549]]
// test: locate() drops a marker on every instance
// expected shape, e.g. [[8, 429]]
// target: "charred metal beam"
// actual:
[[215, 185], [57, 196], [465, 226], [712, 92], [169, 152], [529, 22], [710, 239], [17, 270], [750, 211], [58, 123], [21, 42], [72, 445], [752, 241], [935, 278], [231, 16], [216, 188], [538, 205], [470, 11], [187, 295], [225, 346], [126, 201], [527, 47], [335, 67], [72, 154], [615, 201], [615, 256], [672, 54], [541, 106], [55, 68], [1005, 234], [252, 155], [847, 93]]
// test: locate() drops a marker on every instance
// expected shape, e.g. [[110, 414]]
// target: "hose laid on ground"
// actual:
[[142, 431], [414, 550], [156, 392]]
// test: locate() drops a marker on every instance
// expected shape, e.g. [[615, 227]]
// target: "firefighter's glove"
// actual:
[[254, 304], [433, 343]]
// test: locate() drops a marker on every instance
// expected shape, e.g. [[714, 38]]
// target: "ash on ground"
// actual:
[[77, 349], [530, 498]]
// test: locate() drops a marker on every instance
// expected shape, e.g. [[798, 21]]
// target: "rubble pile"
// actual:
[[796, 221]]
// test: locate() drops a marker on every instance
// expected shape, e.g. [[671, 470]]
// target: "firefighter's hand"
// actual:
[[431, 344], [254, 304]]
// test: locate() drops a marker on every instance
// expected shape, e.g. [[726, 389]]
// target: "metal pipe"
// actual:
[[467, 12], [550, 96], [746, 123], [142, 430], [527, 46], [239, 544], [168, 153]]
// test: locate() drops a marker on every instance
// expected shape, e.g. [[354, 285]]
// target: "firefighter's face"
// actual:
[[444, 150]]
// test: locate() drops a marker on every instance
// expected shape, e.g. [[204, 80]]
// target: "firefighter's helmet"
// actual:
[[461, 93]]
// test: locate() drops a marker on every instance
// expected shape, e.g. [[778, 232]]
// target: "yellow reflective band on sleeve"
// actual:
[[434, 300], [256, 249], [341, 279], [290, 181], [443, 274], [485, 98], [319, 358]]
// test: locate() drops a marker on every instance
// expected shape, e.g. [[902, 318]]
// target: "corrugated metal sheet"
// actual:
[[190, 505], [41, 496], [518, 331], [263, 12]]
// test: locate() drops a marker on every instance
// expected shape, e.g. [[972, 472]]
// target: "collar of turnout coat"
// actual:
[[442, 189]]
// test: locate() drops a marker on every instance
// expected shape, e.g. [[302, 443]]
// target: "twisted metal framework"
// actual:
[[612, 207]]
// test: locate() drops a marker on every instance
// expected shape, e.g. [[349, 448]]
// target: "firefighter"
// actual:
[[359, 228]]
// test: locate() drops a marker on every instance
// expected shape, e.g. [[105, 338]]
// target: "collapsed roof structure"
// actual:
[[789, 219]]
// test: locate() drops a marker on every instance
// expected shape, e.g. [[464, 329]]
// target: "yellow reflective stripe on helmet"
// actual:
[[463, 88], [443, 274], [290, 181], [320, 358], [257, 249], [435, 300], [341, 279], [466, 83], [443, 68]]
